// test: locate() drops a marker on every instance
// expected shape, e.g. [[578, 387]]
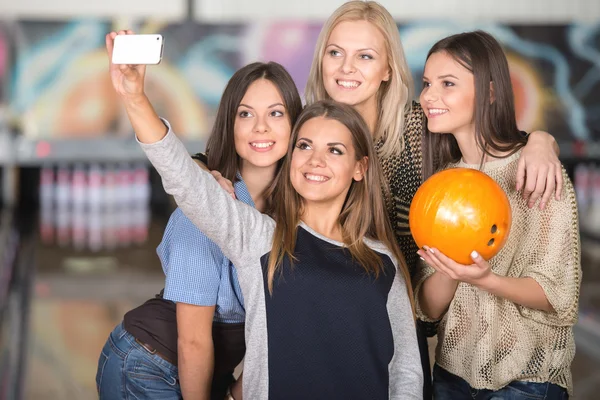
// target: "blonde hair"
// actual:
[[394, 99], [363, 214]]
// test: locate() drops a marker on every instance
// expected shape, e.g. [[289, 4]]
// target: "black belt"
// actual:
[[152, 350]]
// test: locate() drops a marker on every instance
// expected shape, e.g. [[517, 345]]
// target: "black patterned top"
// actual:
[[404, 175]]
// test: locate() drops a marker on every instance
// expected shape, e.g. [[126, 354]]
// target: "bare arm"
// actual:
[[523, 291], [195, 350], [435, 295], [148, 127], [545, 137], [128, 81]]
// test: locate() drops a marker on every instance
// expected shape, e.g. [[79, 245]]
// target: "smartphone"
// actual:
[[137, 49]]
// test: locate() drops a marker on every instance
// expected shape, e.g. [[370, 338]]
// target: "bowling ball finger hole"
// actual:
[[494, 228], [491, 242]]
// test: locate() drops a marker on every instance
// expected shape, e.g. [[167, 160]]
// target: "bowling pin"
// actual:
[[78, 199], [110, 216], [63, 202], [94, 201], [140, 202], [47, 189]]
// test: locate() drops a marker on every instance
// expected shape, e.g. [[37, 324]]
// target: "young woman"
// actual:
[[359, 60], [327, 294], [506, 323], [167, 348]]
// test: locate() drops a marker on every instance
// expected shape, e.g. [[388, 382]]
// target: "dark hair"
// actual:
[[495, 121], [220, 147]]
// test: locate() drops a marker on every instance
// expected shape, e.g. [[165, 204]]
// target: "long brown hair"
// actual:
[[363, 214], [220, 147], [495, 120]]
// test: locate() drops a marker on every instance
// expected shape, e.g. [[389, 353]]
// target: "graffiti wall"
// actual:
[[555, 72], [59, 85]]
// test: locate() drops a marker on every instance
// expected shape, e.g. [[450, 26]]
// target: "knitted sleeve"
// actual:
[[555, 262]]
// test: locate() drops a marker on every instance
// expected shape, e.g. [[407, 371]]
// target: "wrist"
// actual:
[[134, 101], [445, 279], [489, 283], [541, 137]]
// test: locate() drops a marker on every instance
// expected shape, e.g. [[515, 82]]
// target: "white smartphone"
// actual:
[[137, 49]]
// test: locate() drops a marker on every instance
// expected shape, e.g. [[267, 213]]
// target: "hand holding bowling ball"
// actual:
[[477, 274], [458, 211]]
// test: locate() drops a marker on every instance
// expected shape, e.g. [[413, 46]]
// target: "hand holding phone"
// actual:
[[137, 49], [127, 79], [128, 82]]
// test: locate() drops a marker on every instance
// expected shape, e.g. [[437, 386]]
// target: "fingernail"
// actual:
[[422, 258], [432, 252], [474, 254]]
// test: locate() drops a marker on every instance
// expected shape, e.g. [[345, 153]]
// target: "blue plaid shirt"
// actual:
[[196, 270]]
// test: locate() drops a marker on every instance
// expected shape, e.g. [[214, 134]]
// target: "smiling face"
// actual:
[[355, 64], [262, 128], [448, 96], [324, 162]]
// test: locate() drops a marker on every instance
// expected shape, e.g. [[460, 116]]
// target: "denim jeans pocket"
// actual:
[[146, 380], [101, 364], [140, 366], [528, 390], [143, 369]]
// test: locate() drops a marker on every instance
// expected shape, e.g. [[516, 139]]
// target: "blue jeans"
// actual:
[[447, 386], [126, 370]]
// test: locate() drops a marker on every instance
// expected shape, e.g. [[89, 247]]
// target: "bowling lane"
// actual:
[[78, 296], [92, 232]]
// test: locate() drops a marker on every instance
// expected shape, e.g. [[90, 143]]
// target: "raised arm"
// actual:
[[128, 81], [238, 229]]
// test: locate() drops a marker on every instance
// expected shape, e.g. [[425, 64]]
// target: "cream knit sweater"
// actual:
[[490, 341]]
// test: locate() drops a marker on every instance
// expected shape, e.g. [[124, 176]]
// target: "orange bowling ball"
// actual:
[[459, 210]]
